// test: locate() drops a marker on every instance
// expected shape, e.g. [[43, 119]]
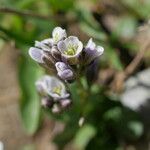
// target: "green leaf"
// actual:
[[83, 136], [139, 9], [1, 44], [136, 127], [85, 15], [28, 147], [64, 5], [115, 114], [113, 58], [88, 24], [126, 27], [19, 38], [95, 33], [30, 104]]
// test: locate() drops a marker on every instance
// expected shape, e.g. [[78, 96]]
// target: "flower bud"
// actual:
[[64, 71], [65, 103], [56, 109], [47, 102], [92, 71], [36, 54], [92, 51], [55, 53], [58, 34]]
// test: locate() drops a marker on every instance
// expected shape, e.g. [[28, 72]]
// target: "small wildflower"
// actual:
[[92, 51], [58, 34], [70, 49], [66, 58], [53, 87]]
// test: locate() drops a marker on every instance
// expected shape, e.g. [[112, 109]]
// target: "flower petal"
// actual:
[[36, 54], [66, 74], [70, 49], [100, 50], [61, 66], [65, 103], [48, 42], [40, 86], [45, 45], [58, 34], [64, 71], [42, 46], [96, 53], [61, 46], [91, 45], [92, 51], [71, 40], [53, 87]]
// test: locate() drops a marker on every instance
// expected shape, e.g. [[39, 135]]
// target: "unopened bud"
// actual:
[[64, 71], [56, 108], [65, 103], [55, 53], [81, 121], [46, 102]]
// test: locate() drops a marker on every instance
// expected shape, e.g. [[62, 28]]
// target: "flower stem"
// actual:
[[83, 93]]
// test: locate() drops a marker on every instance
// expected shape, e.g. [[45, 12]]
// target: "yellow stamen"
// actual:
[[57, 90]]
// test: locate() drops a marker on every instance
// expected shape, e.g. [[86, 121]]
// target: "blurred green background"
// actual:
[[120, 26]]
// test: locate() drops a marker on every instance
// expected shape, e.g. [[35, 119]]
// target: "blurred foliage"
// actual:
[[107, 123], [30, 102]]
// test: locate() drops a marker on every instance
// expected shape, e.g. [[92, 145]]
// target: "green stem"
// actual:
[[83, 93]]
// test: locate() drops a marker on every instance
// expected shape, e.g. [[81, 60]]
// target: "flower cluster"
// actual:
[[63, 56], [53, 92]]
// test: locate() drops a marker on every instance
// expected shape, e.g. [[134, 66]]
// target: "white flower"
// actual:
[[92, 51], [70, 49], [53, 87], [46, 47], [58, 34]]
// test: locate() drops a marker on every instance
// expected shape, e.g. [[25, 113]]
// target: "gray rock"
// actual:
[[137, 91]]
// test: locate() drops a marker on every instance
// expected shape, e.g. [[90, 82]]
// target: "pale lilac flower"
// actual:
[[41, 50], [70, 49], [64, 71], [53, 87], [43, 57], [92, 51], [47, 46], [58, 34]]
